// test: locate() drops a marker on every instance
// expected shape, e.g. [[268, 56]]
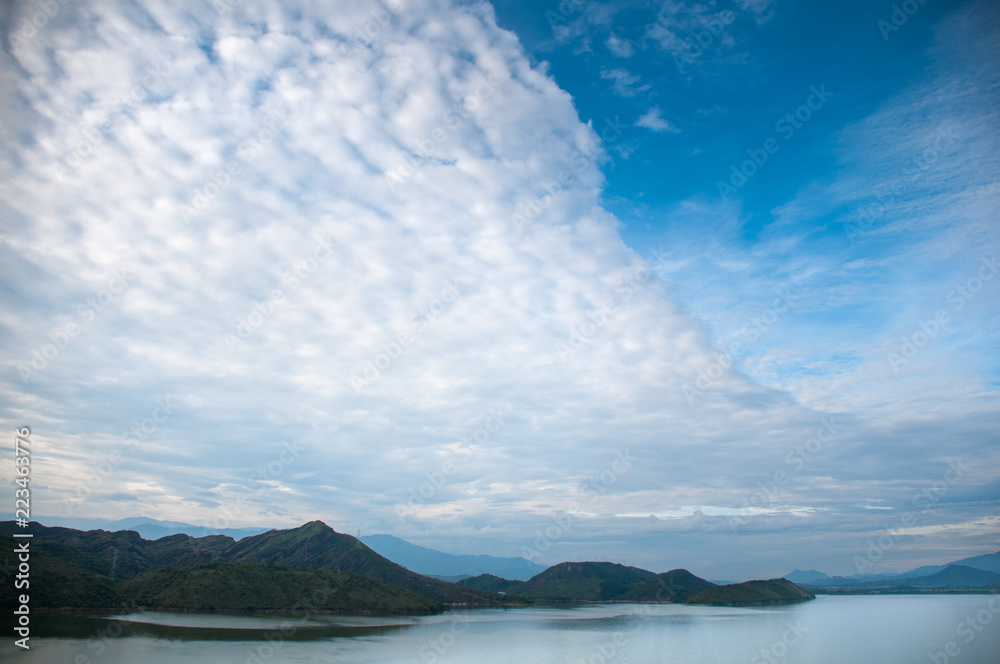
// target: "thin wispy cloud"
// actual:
[[625, 84], [653, 119]]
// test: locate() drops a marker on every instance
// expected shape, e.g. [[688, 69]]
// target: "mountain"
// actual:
[[952, 576], [489, 583], [53, 581], [439, 564], [989, 562], [752, 593], [316, 545], [590, 581], [99, 550], [808, 576], [673, 586], [249, 587], [313, 546], [151, 529], [596, 582]]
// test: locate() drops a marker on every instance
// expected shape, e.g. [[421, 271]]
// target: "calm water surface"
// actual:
[[947, 629]]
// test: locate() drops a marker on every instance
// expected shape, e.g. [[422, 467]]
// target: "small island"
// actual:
[[751, 593]]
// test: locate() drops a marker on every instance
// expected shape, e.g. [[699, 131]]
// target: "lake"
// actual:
[[892, 629]]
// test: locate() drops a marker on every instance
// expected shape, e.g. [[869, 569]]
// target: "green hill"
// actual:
[[673, 586], [751, 593], [96, 550], [609, 582], [252, 587], [589, 582], [54, 582], [90, 555], [316, 545], [489, 583]]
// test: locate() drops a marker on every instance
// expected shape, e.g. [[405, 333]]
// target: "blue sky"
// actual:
[[506, 278]]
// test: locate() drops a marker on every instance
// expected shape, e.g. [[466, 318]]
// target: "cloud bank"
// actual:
[[348, 261]]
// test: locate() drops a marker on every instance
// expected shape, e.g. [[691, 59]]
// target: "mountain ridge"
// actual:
[[313, 545], [752, 593], [431, 562]]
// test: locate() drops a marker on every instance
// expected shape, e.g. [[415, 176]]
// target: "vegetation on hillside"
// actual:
[[254, 587], [72, 569], [589, 581], [673, 586], [489, 582], [752, 593]]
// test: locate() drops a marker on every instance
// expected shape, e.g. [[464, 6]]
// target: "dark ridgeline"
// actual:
[[597, 582], [276, 570], [316, 568], [752, 593], [979, 574]]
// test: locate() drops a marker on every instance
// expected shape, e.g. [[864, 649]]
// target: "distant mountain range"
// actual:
[[752, 593], [598, 582], [382, 573], [429, 562], [439, 564], [150, 529], [316, 567], [92, 569], [975, 572], [611, 582]]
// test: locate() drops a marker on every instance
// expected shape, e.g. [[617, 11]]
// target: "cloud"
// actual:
[[652, 119], [621, 48], [279, 263], [312, 217], [623, 83]]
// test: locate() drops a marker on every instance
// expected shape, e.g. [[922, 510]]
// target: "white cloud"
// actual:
[[621, 48], [623, 83], [245, 194], [653, 119]]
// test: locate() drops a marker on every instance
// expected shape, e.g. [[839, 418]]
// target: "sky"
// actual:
[[701, 285]]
